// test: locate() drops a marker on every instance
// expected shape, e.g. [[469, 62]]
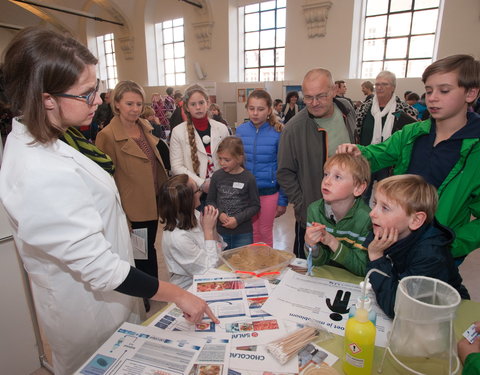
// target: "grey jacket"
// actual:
[[301, 155]]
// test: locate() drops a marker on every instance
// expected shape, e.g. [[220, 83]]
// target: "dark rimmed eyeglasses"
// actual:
[[89, 98]]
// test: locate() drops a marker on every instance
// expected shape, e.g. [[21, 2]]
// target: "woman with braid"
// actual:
[[193, 143]]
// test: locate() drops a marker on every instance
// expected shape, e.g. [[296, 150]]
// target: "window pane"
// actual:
[[167, 24], [371, 69], [417, 67], [425, 21], [280, 37], [267, 57], [168, 51], [179, 49], [179, 65], [170, 79], [397, 67], [108, 47], [399, 5], [280, 56], [252, 22], [422, 4], [251, 59], [376, 7], [252, 41], [178, 22], [169, 66], [267, 5], [111, 71], [109, 59], [252, 8], [421, 46], [181, 78], [373, 49], [178, 34], [396, 48], [281, 3], [280, 74], [267, 74], [167, 35], [281, 17], [267, 39], [399, 24], [112, 83], [251, 75], [267, 20], [375, 26]]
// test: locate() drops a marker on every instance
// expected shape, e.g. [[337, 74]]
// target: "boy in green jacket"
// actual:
[[444, 150], [338, 224]]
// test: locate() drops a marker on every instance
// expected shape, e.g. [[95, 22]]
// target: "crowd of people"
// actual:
[[383, 184]]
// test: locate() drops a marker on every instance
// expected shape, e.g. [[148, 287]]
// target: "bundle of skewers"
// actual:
[[285, 348]]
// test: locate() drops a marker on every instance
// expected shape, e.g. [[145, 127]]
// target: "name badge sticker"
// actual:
[[238, 185]]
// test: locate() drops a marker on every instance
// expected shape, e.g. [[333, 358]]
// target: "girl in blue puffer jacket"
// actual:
[[261, 136]]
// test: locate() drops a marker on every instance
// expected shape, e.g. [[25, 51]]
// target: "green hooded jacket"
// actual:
[[459, 193]]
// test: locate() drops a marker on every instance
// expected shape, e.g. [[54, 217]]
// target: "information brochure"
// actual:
[[300, 298], [139, 350]]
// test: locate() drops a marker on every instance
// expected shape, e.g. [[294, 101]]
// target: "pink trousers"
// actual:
[[263, 221]]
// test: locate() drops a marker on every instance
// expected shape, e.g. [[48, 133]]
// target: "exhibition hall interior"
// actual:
[[230, 48]]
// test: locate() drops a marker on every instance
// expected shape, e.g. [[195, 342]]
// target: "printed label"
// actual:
[[356, 362], [238, 185]]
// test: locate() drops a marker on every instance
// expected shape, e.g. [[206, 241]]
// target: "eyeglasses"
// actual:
[[320, 97], [89, 98]]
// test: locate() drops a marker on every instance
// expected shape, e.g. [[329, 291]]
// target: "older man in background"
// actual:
[[307, 140]]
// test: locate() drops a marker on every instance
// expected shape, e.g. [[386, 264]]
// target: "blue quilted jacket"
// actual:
[[261, 147]]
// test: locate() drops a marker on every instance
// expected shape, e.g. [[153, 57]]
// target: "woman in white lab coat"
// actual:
[[65, 211]]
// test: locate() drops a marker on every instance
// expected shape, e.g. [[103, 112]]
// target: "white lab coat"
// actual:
[[181, 157], [187, 253], [73, 238]]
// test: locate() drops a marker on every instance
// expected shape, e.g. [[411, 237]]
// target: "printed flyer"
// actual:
[[300, 298]]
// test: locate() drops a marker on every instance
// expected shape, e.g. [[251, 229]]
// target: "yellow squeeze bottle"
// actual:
[[360, 337], [359, 344]]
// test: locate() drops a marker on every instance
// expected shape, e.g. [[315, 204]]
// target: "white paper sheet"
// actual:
[[300, 298], [138, 350]]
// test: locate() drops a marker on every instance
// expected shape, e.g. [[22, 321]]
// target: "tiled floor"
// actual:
[[284, 236]]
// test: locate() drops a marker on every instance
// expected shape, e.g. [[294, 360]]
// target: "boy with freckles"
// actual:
[[407, 240], [338, 223]]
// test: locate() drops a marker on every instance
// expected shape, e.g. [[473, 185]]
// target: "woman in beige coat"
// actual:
[[139, 170]]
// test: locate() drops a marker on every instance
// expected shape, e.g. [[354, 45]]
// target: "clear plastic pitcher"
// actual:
[[423, 326]]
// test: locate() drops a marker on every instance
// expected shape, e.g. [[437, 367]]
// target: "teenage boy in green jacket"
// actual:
[[444, 150]]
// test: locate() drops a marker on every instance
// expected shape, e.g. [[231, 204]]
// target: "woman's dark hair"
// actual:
[[175, 204], [290, 95], [39, 61]]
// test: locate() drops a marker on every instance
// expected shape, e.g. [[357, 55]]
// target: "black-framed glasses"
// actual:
[[89, 98]]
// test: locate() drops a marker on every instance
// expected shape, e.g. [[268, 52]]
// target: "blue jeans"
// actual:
[[237, 240]]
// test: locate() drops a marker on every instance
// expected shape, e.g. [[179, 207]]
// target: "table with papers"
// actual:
[[252, 313]]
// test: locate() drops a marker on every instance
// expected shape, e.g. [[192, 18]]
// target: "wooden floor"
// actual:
[[284, 236]]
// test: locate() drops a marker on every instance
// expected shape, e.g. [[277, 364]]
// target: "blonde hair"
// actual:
[[358, 166], [122, 88], [190, 128], [147, 112], [234, 146], [272, 118], [412, 193]]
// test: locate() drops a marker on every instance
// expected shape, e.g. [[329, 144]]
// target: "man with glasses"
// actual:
[[307, 140]]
